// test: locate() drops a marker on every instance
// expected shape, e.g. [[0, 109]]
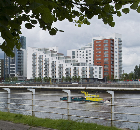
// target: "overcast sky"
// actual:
[[73, 37]]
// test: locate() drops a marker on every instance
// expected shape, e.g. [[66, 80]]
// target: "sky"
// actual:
[[73, 37]]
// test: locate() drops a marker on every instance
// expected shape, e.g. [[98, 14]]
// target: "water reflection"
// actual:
[[88, 109]]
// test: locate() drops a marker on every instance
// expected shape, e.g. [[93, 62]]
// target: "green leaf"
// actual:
[[46, 16], [81, 18], [138, 9], [29, 25], [125, 10], [134, 6], [52, 32], [33, 21], [112, 24], [79, 25], [118, 6], [119, 13]]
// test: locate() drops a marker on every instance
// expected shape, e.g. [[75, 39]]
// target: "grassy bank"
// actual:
[[49, 123]]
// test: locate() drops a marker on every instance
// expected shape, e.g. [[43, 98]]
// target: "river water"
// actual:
[[88, 109]]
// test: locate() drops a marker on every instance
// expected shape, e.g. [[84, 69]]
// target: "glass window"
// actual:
[[98, 41], [105, 58], [98, 62], [105, 48], [106, 55], [73, 52], [105, 44], [105, 51], [98, 59], [105, 41], [98, 52], [98, 55], [98, 45]]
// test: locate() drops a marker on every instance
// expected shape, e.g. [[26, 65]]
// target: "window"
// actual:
[[98, 62], [95, 67], [106, 55], [86, 51], [106, 62], [98, 59], [115, 44], [105, 73], [73, 52], [95, 75], [98, 48], [98, 45], [98, 52], [105, 41], [105, 58], [115, 58], [105, 48], [98, 55], [115, 51], [89, 53], [95, 71], [105, 51], [105, 44], [86, 54], [105, 66], [115, 65], [86, 57], [98, 41], [105, 69]]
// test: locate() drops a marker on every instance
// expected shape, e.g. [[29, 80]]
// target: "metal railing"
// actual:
[[31, 100]]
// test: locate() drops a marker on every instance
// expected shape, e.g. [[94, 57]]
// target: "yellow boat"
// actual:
[[92, 98]]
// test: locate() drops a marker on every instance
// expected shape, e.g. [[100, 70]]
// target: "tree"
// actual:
[[63, 78], [112, 77], [45, 12], [78, 78], [108, 77]]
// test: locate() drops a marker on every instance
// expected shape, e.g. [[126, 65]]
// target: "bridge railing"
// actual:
[[45, 102]]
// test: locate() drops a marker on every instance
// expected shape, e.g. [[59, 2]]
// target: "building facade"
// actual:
[[103, 51], [47, 62], [16, 66], [108, 53]]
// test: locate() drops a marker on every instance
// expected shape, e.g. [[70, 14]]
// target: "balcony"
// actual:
[[75, 73], [75, 69]]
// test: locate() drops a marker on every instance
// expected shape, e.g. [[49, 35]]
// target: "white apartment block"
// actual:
[[47, 62], [87, 52]]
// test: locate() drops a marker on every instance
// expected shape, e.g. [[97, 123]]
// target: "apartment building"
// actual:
[[85, 52], [16, 66], [103, 51], [104, 55], [47, 62], [108, 53]]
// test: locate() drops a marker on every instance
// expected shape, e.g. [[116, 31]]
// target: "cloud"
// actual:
[[74, 37]]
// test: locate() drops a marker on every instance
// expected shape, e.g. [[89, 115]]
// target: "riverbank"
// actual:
[[46, 123]]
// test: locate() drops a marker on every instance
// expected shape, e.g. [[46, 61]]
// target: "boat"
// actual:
[[92, 98], [86, 98], [73, 99]]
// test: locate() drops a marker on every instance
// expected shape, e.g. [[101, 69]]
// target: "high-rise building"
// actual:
[[108, 53], [47, 62], [16, 66], [103, 51]]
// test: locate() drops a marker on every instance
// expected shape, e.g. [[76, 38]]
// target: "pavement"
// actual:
[[6, 125]]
